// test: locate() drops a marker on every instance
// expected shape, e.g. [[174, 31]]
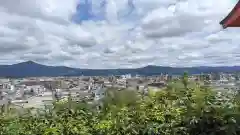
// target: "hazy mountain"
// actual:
[[30, 69]]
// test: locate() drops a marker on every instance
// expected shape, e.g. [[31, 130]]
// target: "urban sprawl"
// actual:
[[40, 92]]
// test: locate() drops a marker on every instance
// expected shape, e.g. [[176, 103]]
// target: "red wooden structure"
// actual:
[[233, 18]]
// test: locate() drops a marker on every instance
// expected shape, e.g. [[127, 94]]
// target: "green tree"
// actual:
[[185, 79]]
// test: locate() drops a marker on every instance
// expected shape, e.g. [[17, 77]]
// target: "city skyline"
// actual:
[[120, 34]]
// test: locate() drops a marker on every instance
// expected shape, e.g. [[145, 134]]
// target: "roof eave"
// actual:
[[229, 15]]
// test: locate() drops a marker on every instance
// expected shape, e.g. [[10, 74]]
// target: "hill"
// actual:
[[32, 69]]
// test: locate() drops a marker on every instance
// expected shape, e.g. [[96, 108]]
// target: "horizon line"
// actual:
[[34, 62]]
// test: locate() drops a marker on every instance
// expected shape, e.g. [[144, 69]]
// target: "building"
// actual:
[[233, 18], [156, 86], [99, 93]]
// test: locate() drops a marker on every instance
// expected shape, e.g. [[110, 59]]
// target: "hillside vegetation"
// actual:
[[177, 110]]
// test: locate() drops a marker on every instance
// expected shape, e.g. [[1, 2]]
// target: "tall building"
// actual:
[[215, 76]]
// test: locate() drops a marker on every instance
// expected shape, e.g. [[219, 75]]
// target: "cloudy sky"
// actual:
[[118, 33]]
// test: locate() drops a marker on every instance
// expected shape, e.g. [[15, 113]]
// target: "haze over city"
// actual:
[[117, 34]]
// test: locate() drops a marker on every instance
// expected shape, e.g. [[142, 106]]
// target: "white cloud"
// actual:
[[166, 32]]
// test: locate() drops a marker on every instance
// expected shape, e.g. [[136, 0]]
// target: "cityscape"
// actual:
[[37, 92]]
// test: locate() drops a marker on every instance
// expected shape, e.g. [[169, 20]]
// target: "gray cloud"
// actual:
[[166, 32]]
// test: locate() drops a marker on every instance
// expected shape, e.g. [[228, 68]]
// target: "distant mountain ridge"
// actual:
[[32, 69]]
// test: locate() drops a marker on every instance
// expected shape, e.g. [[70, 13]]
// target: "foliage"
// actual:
[[183, 108]]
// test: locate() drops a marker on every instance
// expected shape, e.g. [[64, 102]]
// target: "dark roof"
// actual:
[[157, 84], [230, 14]]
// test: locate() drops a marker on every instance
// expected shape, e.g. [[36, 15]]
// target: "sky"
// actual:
[[118, 33]]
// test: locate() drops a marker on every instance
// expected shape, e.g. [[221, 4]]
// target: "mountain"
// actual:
[[32, 69]]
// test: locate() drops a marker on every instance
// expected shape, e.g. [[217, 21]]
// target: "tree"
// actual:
[[236, 77], [185, 79]]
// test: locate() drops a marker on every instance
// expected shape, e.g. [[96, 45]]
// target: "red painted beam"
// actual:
[[233, 18]]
